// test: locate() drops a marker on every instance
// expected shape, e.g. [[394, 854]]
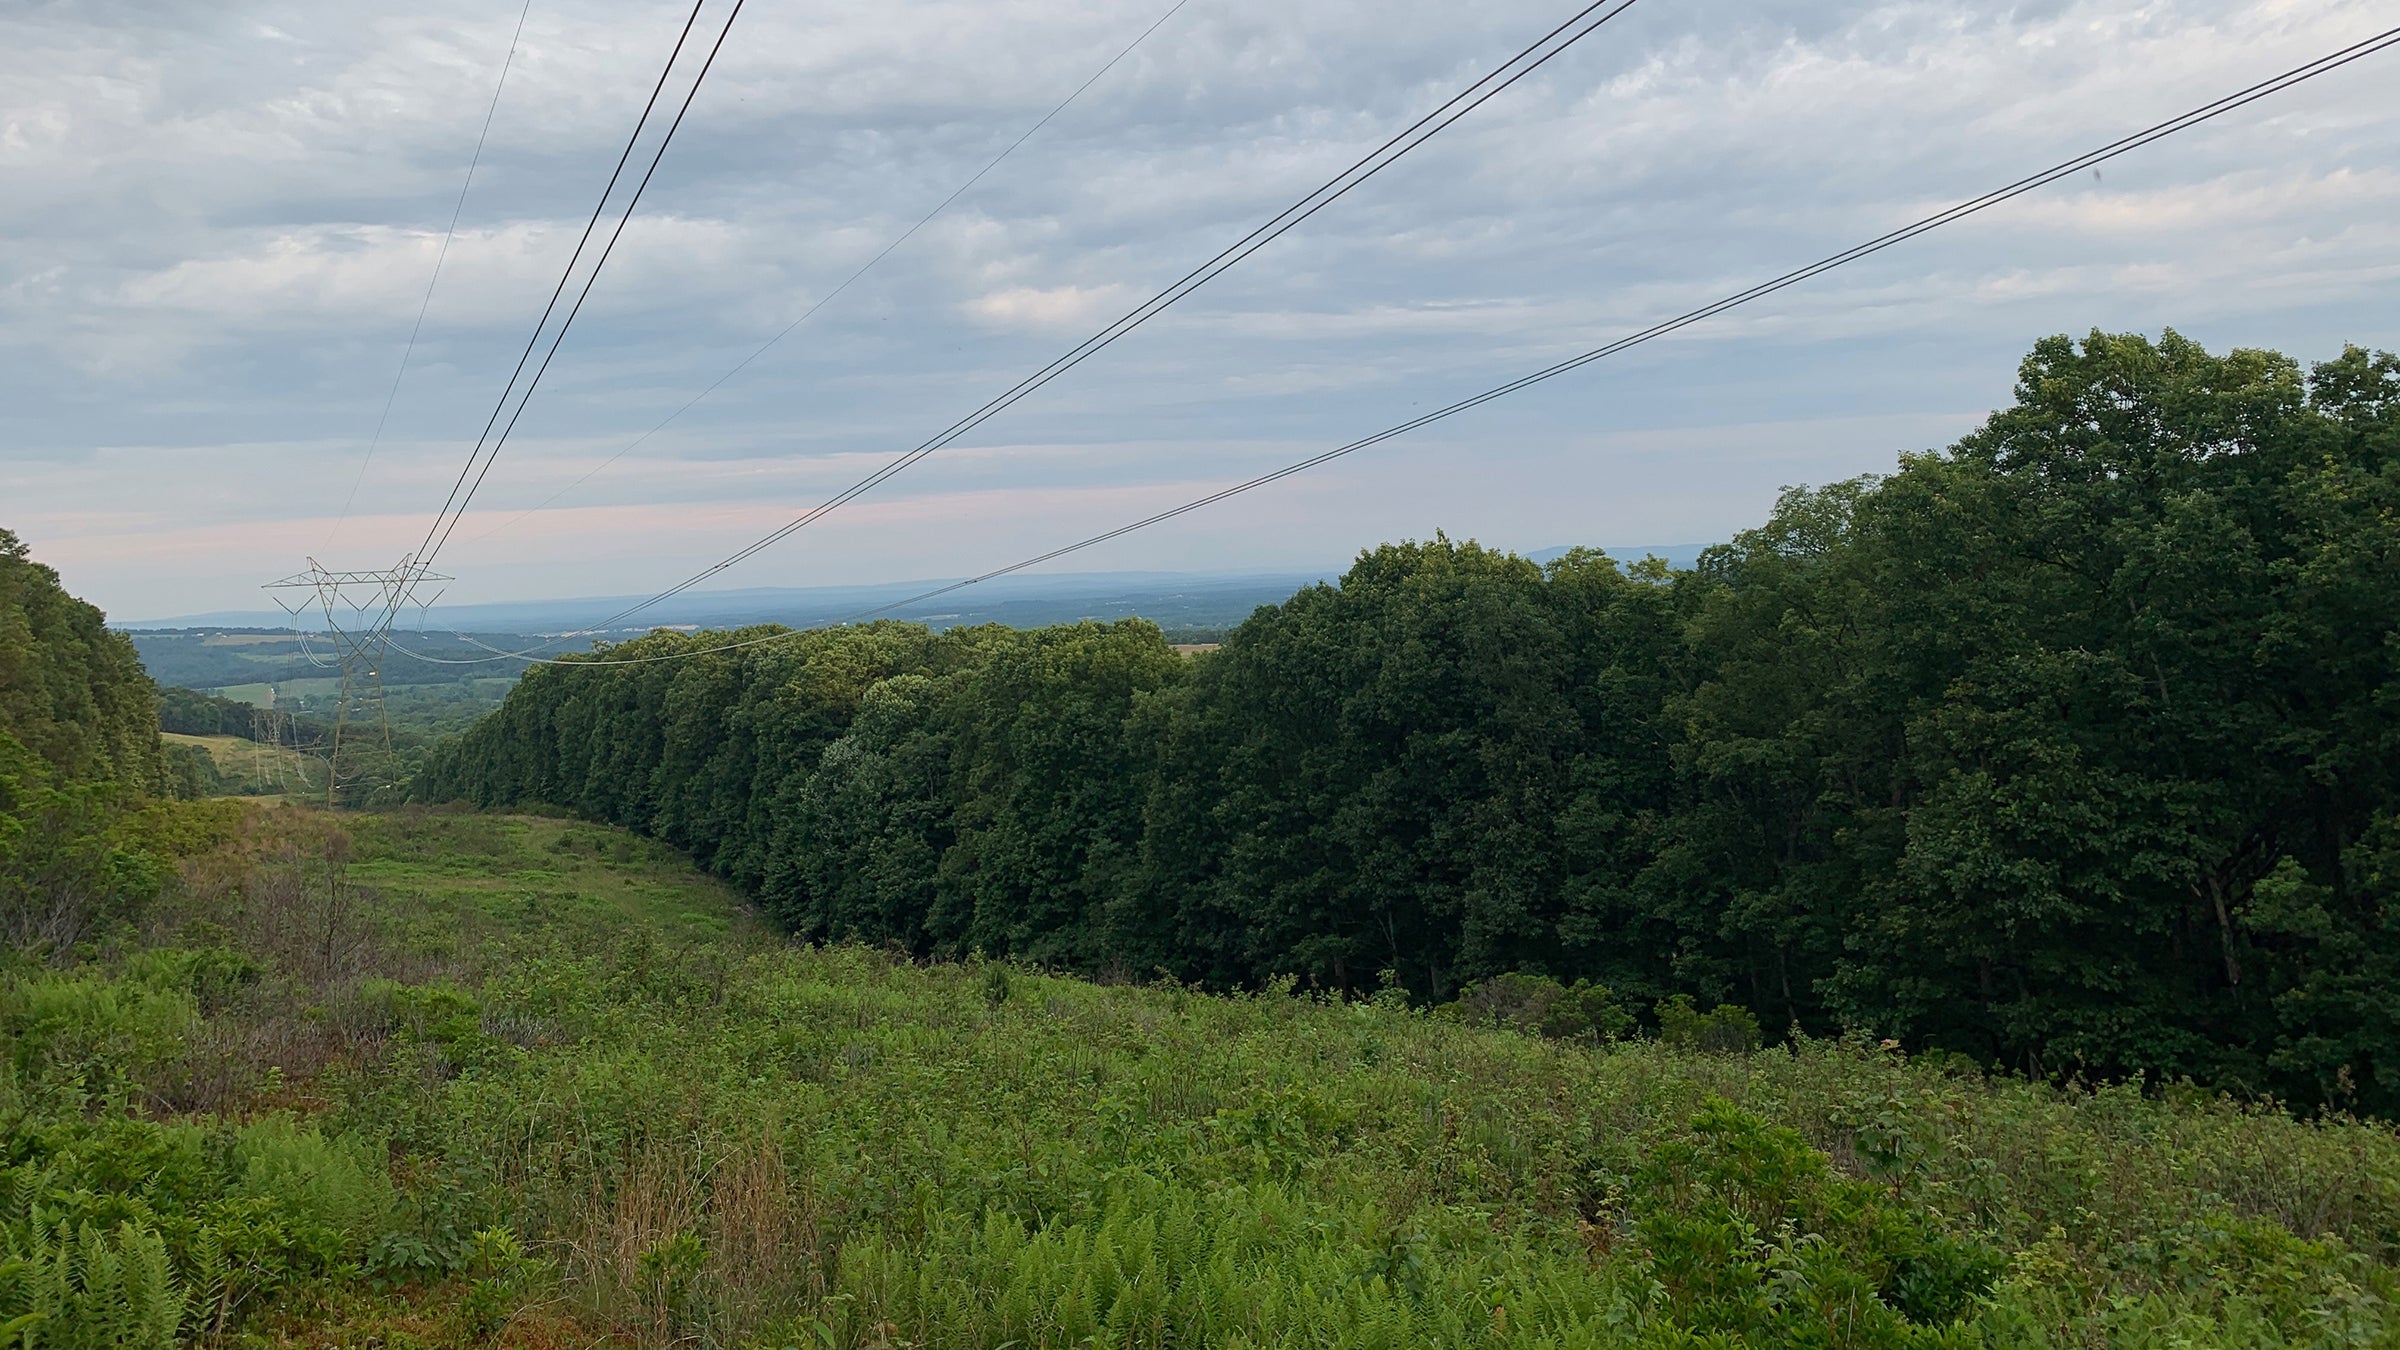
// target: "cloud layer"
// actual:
[[222, 218]]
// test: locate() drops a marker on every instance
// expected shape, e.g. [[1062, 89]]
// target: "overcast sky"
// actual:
[[221, 216]]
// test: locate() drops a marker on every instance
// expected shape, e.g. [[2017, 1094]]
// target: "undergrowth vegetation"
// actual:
[[446, 1079]]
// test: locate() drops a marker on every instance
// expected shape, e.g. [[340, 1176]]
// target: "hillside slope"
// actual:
[[433, 1079], [71, 692]]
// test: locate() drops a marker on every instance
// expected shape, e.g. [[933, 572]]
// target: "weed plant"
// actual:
[[445, 1079]]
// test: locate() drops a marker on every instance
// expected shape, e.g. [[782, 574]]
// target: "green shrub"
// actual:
[[1540, 1006], [1727, 1029], [243, 1212], [505, 1279], [67, 872], [670, 1292], [1754, 1236], [211, 975], [1239, 1266], [439, 1013], [732, 1142], [89, 1031]]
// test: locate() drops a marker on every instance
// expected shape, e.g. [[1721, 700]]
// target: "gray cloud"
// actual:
[[221, 218]]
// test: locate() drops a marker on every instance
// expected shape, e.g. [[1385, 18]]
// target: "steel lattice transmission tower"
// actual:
[[357, 609]]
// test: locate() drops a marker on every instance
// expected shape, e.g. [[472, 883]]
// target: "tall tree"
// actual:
[[71, 691]]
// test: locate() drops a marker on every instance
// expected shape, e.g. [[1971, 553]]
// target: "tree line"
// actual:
[[190, 712], [2071, 746], [79, 749], [73, 695]]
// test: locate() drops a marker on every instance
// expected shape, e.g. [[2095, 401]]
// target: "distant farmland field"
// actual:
[[257, 694]]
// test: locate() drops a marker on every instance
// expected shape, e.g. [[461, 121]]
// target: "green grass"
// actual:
[[440, 1079], [281, 694], [230, 753], [440, 873], [257, 695], [246, 768]]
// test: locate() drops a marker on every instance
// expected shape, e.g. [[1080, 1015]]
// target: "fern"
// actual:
[[210, 1299], [89, 1291], [331, 1194], [22, 1187]]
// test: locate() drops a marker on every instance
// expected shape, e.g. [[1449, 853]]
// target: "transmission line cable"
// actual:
[[588, 282], [568, 273], [1516, 68], [2067, 168], [441, 255], [828, 298], [470, 476]]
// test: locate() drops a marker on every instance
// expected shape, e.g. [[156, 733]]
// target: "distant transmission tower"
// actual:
[[266, 765], [357, 609], [277, 748]]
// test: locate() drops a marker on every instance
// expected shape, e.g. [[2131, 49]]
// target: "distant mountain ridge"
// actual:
[[1674, 555]]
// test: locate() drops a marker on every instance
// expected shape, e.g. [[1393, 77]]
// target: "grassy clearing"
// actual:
[[258, 695], [444, 1079], [246, 768], [445, 875], [260, 692], [234, 756]]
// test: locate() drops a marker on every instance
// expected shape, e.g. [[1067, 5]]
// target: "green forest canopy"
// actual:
[[2071, 746], [78, 741], [72, 693]]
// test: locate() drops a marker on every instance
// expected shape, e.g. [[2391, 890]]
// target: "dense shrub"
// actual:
[[1727, 1029], [1539, 1006], [1752, 1235], [67, 871]]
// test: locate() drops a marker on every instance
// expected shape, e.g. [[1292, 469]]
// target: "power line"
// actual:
[[564, 276], [1973, 205], [440, 255], [362, 647], [467, 472], [903, 237], [1382, 157], [594, 277]]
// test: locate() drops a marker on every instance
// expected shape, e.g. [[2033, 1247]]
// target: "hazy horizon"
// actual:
[[711, 604]]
